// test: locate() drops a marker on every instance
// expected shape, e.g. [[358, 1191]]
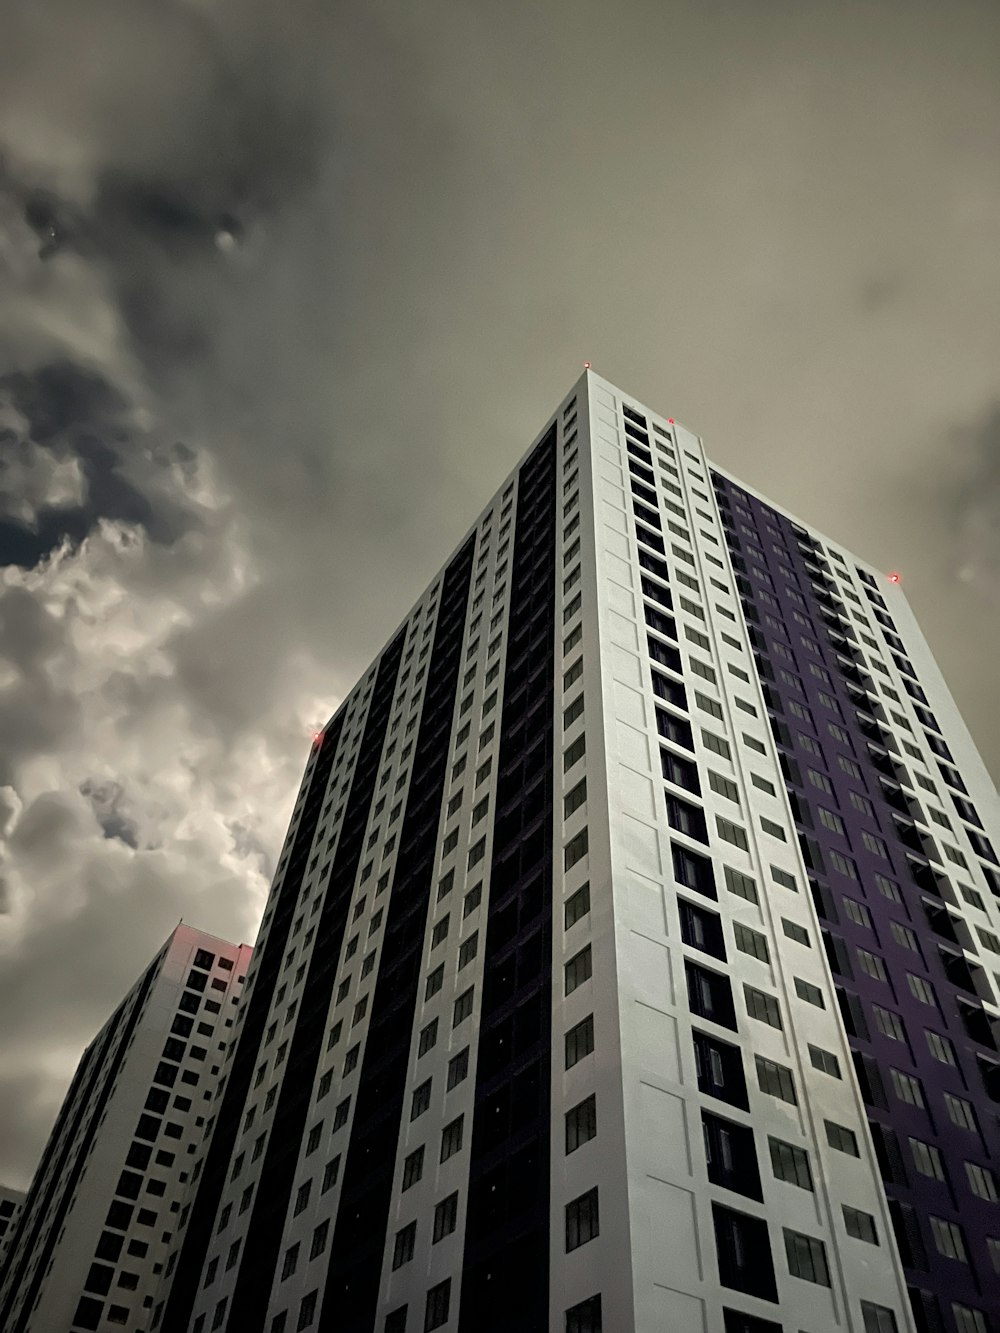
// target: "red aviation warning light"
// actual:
[[894, 578], [586, 365], [670, 421], [317, 739]]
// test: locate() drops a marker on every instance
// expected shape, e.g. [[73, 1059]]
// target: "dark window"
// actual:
[[582, 1220], [438, 1305], [744, 1253], [579, 1041], [731, 1155], [720, 1069], [701, 929], [790, 1163], [581, 1123], [585, 1317], [709, 995]]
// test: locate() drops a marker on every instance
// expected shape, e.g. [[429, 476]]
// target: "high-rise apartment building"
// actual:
[[11, 1203], [92, 1238], [631, 962]]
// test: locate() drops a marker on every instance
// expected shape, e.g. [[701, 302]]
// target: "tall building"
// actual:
[[11, 1203], [97, 1222], [631, 958]]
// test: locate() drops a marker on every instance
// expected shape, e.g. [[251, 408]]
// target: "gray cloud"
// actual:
[[287, 289]]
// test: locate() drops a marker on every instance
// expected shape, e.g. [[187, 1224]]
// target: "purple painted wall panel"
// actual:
[[825, 715]]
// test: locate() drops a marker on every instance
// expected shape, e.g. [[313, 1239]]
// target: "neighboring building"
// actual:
[[102, 1207], [631, 959], [11, 1202]]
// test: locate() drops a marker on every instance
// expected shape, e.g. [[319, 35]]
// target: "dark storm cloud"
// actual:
[[285, 291]]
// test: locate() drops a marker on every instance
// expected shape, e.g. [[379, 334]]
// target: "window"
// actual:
[[872, 964], [790, 1163], [806, 1258], [438, 1305], [576, 849], [715, 743], [472, 900], [330, 1174], [762, 1006], [445, 1218], [982, 1182], [413, 1167], [312, 1142], [860, 1225], [403, 1246], [732, 833], [428, 1038], [577, 905], [889, 1023], [319, 1236], [421, 1099], [907, 1088], [451, 1139], [968, 1320], [921, 989], [458, 1068], [290, 1262], [742, 885], [776, 1080], [586, 1317], [723, 786], [744, 1256], [579, 1041], [904, 936], [582, 1220], [940, 1047], [302, 1198], [575, 752], [578, 969], [927, 1159], [841, 1138], [805, 990], [858, 913], [463, 1007], [960, 1112], [435, 981], [751, 942], [467, 951], [795, 932], [581, 1123], [825, 1061], [783, 878], [948, 1239]]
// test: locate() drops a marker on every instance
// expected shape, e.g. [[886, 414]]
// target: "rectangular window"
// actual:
[[574, 798], [578, 969], [576, 849], [451, 1139], [841, 1138], [927, 1159], [458, 1068], [908, 1089], [860, 1225], [762, 1006], [582, 1220], [463, 1007], [581, 1123], [421, 1099], [805, 990], [806, 1257], [579, 1041], [413, 1167], [948, 1239], [825, 1061], [795, 932], [577, 906], [751, 942], [445, 1218], [732, 833], [790, 1163], [742, 885], [403, 1246], [776, 1080]]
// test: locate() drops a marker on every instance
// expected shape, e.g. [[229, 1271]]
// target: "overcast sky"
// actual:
[[286, 289]]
